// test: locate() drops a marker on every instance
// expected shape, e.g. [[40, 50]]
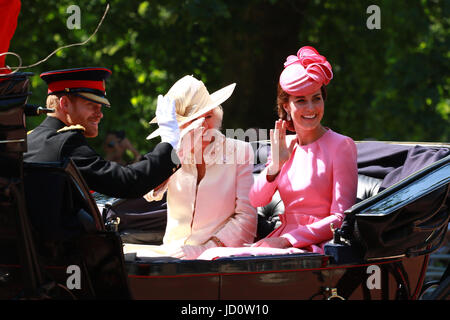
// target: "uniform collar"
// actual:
[[53, 122]]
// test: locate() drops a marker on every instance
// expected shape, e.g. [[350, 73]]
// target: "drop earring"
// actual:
[[288, 117]]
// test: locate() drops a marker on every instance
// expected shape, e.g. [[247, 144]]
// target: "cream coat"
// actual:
[[219, 206]]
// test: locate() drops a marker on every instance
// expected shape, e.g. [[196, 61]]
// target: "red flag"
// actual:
[[9, 12]]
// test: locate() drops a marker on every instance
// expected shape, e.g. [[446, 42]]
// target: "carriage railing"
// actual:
[[15, 226]]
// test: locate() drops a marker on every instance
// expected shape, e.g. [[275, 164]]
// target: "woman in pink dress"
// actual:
[[314, 171]]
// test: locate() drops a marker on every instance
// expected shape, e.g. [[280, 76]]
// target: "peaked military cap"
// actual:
[[87, 83]]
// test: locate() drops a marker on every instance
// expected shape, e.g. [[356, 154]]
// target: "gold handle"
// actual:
[[334, 295]]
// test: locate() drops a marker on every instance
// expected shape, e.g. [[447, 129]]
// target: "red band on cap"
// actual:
[[71, 84]]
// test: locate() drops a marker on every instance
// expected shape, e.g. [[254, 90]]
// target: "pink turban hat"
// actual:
[[305, 73]]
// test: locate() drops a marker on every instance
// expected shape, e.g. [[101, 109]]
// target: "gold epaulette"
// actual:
[[74, 127]]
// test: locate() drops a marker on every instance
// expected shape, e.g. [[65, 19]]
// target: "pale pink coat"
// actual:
[[218, 206], [317, 184]]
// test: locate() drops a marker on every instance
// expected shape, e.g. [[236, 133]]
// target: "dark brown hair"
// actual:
[[283, 98]]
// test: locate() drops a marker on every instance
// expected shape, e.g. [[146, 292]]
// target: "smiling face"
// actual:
[[83, 112], [306, 111]]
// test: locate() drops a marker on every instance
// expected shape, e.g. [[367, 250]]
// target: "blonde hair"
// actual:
[[218, 117], [53, 100]]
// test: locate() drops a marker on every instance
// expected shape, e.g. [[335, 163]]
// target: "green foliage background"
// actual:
[[389, 84]]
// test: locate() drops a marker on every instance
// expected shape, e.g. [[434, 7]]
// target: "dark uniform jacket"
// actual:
[[52, 141]]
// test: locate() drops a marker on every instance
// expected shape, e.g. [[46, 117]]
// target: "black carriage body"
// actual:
[[292, 277]]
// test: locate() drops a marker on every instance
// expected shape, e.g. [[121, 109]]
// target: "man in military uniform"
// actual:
[[77, 96]]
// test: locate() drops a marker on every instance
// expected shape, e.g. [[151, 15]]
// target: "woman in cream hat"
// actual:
[[314, 171], [207, 198]]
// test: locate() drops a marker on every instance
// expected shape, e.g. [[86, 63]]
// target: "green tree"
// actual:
[[389, 84]]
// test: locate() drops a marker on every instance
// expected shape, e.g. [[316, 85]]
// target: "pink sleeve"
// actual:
[[345, 177], [262, 190], [345, 181], [313, 233]]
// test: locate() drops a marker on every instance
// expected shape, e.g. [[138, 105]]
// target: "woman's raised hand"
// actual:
[[280, 151], [191, 137]]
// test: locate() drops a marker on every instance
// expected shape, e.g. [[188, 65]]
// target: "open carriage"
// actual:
[[60, 241]]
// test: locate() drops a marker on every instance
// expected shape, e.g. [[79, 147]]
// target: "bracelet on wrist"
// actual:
[[217, 241]]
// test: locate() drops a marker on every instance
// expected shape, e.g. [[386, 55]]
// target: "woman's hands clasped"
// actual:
[[274, 242]]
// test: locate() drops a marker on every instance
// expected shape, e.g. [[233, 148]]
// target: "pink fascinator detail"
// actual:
[[305, 73]]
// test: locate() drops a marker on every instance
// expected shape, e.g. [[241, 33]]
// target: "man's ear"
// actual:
[[64, 103]]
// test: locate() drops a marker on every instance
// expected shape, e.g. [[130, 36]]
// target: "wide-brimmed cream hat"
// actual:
[[192, 100]]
